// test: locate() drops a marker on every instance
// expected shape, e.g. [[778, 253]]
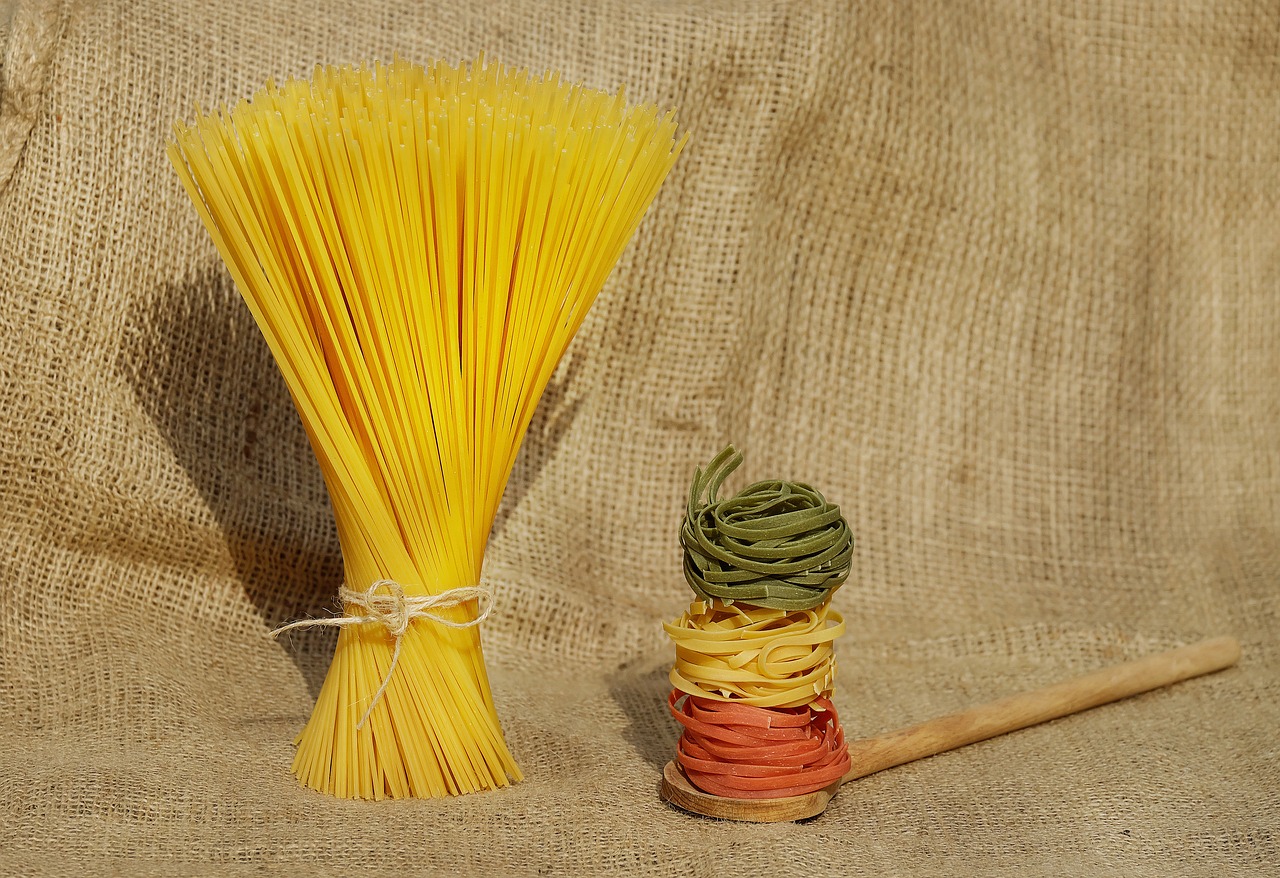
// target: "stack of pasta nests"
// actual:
[[755, 663]]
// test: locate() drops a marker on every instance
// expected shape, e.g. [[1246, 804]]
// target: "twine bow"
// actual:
[[396, 611]]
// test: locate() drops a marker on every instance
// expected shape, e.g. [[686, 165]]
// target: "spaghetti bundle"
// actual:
[[755, 660], [418, 246]]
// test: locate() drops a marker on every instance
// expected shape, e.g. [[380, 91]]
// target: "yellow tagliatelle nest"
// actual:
[[755, 655], [418, 247]]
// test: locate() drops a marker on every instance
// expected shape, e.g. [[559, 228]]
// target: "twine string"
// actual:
[[385, 603]]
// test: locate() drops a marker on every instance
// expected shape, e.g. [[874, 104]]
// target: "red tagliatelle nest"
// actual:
[[747, 752]]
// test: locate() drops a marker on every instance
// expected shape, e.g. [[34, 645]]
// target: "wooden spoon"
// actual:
[[976, 724]]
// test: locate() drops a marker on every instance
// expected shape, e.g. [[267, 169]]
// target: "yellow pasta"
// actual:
[[418, 247], [728, 651]]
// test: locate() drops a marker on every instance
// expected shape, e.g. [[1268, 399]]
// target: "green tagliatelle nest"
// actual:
[[773, 544]]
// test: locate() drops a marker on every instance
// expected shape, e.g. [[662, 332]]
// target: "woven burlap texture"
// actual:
[[1003, 279]]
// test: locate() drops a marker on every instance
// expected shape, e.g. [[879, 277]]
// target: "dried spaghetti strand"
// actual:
[[418, 247]]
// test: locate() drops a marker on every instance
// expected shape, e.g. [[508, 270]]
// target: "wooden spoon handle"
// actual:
[[1041, 705]]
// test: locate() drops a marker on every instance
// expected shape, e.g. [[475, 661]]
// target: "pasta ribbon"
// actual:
[[732, 749], [759, 656], [775, 543]]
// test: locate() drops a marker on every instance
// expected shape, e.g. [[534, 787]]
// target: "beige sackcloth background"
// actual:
[[1003, 279]]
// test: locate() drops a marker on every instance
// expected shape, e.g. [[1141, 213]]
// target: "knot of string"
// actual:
[[385, 603]]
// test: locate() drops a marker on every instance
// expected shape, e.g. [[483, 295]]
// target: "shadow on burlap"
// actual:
[[1002, 280]]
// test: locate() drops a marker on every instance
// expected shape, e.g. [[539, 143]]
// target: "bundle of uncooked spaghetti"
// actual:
[[755, 663], [418, 246]]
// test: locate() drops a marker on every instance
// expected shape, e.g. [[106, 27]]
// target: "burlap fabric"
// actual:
[[1002, 278]]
